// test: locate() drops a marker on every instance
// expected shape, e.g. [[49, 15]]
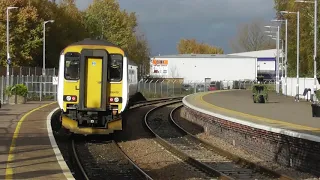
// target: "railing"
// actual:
[[41, 87], [27, 71], [163, 88]]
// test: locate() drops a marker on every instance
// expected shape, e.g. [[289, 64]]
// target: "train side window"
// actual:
[[72, 66], [115, 68]]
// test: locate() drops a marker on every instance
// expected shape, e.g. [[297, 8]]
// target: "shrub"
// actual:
[[260, 93], [18, 89]]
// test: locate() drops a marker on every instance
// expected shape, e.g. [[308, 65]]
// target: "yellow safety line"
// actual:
[[245, 115], [9, 170]]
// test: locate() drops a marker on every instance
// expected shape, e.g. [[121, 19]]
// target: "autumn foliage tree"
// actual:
[[189, 46], [25, 31], [102, 19]]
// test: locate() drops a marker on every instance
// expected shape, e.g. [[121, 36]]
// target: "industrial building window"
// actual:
[[72, 66], [115, 68]]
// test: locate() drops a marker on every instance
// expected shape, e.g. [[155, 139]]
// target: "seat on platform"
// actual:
[[305, 93]]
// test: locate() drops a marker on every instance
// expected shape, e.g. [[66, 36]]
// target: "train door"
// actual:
[[93, 80]]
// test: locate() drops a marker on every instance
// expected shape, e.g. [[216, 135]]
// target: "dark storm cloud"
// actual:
[[210, 21]]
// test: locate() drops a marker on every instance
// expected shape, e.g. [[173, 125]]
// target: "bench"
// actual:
[[305, 93]]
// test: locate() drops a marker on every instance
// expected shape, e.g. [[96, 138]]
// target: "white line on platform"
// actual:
[[63, 165], [251, 124]]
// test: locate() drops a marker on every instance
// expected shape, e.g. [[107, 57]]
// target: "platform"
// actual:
[[28, 149], [281, 114]]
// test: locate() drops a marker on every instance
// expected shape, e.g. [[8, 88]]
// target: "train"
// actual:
[[96, 82]]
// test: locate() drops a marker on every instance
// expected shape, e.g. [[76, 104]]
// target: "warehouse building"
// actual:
[[217, 67], [197, 67], [266, 61]]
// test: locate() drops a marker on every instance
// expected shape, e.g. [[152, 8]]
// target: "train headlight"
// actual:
[[70, 98], [115, 100]]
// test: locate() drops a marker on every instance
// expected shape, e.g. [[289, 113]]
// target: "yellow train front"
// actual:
[[93, 87]]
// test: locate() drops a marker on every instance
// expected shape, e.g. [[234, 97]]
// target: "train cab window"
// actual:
[[72, 66], [115, 68]]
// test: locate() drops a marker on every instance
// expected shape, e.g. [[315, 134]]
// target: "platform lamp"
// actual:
[[8, 53], [282, 44], [281, 62], [277, 59], [44, 47], [315, 40], [286, 53], [298, 44]]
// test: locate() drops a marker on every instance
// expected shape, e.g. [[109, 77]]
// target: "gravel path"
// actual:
[[199, 131], [160, 123], [140, 146]]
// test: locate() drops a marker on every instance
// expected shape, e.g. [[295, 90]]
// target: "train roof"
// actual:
[[89, 41], [97, 42]]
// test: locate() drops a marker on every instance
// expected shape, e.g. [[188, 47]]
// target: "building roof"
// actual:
[[261, 53], [202, 56]]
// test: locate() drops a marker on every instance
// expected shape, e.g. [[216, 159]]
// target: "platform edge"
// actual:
[[63, 165], [251, 124]]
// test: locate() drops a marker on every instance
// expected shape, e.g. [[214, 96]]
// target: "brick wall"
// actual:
[[301, 154]]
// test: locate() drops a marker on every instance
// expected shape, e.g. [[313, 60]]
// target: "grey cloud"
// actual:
[[176, 10], [215, 22]]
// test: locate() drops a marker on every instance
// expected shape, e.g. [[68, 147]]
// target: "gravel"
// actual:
[[161, 125], [199, 131], [140, 146], [104, 161]]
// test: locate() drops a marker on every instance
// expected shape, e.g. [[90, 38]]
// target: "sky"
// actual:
[[165, 22]]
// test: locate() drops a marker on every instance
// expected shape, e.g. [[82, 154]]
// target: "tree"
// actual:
[[306, 35], [139, 51], [189, 46], [24, 32], [251, 37], [104, 19]]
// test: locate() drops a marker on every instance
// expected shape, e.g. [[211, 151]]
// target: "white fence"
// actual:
[[303, 83]]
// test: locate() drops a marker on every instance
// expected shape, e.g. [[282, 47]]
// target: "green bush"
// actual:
[[260, 93], [18, 89]]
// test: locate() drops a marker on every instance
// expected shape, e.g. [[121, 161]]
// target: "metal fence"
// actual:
[[41, 87], [171, 88], [27, 71]]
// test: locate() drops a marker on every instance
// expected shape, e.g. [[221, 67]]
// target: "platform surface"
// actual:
[[280, 112], [26, 150]]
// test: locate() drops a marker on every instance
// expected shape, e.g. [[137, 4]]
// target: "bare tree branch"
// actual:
[[251, 37]]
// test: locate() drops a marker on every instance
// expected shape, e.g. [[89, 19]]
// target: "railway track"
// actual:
[[94, 158], [216, 162], [109, 161]]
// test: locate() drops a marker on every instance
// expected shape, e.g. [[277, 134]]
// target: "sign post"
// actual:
[[55, 83], [55, 80]]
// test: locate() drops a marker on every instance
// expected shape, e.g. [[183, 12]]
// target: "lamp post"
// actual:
[[298, 44], [44, 47], [8, 53], [277, 59], [315, 40], [286, 54]]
